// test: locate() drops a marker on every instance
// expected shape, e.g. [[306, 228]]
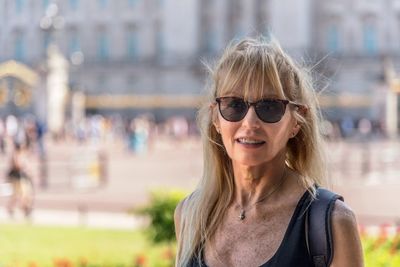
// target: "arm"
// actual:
[[346, 240]]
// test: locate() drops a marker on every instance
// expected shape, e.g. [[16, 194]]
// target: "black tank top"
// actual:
[[293, 249]]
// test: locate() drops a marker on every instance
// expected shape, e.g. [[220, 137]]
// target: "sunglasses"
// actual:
[[234, 109]]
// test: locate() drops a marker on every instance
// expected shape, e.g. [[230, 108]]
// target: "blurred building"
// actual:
[[359, 37], [130, 55], [117, 49]]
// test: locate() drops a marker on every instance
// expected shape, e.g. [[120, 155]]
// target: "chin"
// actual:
[[251, 162]]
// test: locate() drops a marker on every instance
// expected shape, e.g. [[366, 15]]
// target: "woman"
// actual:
[[262, 161], [20, 181]]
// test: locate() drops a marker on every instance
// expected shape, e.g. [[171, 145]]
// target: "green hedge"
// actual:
[[160, 211]]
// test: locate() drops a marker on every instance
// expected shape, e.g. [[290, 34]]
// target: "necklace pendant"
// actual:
[[242, 215]]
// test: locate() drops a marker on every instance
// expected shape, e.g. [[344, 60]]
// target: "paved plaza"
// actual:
[[366, 174]]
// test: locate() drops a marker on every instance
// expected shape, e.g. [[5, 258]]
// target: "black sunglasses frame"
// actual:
[[284, 103]]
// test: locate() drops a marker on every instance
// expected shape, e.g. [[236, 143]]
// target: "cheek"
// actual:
[[284, 133], [279, 135], [228, 132], [287, 127]]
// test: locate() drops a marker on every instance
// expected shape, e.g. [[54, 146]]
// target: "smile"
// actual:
[[250, 141]]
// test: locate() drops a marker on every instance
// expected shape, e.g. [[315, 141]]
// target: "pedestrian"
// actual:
[[22, 189], [263, 165]]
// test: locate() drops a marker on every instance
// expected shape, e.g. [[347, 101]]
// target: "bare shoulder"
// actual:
[[180, 208], [346, 239], [342, 214]]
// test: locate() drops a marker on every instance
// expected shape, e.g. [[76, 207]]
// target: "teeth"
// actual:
[[249, 141]]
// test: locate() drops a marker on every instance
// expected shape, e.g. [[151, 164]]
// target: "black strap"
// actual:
[[318, 227]]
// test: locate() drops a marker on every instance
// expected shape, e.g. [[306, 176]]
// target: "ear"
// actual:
[[302, 110], [295, 130]]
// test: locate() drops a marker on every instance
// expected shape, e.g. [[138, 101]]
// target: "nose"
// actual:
[[251, 119]]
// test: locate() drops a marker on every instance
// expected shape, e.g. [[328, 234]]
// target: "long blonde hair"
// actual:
[[251, 64]]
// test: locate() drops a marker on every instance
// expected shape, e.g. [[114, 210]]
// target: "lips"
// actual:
[[250, 141]]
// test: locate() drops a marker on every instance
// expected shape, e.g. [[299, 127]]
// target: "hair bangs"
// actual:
[[230, 76], [251, 74]]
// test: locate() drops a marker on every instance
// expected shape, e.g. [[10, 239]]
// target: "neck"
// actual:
[[254, 183]]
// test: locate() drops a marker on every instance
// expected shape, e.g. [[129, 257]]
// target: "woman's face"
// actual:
[[251, 141]]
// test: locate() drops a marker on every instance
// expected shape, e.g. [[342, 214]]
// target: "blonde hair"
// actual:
[[252, 64]]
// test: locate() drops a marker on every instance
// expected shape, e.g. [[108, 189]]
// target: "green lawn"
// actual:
[[25, 245], [39, 246]]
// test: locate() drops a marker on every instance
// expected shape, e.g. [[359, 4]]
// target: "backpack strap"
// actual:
[[318, 227]]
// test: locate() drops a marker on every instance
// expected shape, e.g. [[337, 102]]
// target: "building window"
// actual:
[[19, 6], [333, 38], [262, 16], [234, 23], [74, 4], [132, 43], [208, 35], [159, 39], [74, 44], [160, 3], [47, 40], [210, 38], [102, 46], [132, 3], [45, 4], [19, 48], [102, 3], [369, 39]]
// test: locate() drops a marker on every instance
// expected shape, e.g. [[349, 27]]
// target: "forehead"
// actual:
[[253, 79]]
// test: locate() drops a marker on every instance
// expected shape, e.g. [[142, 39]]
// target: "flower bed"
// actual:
[[382, 249]]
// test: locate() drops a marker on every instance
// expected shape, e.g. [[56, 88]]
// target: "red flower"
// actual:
[[168, 254], [63, 262], [83, 262], [140, 260]]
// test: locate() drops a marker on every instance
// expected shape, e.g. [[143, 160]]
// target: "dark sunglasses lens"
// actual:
[[270, 110], [232, 109]]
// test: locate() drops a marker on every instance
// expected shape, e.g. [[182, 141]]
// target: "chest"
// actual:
[[251, 242]]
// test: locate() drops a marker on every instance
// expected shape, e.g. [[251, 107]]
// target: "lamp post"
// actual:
[[392, 104], [78, 97], [57, 73], [56, 82]]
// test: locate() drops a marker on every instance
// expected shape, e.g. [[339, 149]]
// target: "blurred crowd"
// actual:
[[137, 133], [348, 128]]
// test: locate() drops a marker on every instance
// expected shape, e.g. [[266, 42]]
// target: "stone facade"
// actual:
[[155, 47]]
